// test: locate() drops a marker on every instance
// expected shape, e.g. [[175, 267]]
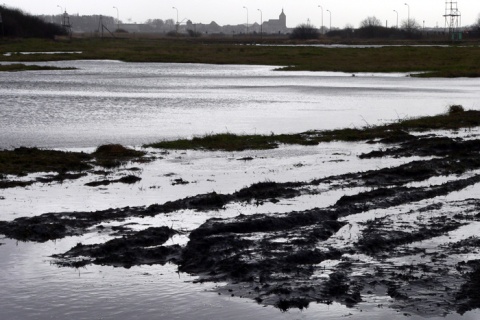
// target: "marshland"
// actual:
[[131, 182]]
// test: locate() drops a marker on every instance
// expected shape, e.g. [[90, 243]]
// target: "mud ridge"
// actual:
[[143, 247], [320, 255]]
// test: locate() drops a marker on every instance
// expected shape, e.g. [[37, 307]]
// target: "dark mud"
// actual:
[[468, 297], [143, 247], [130, 179], [51, 226], [292, 259], [428, 146], [5, 184]]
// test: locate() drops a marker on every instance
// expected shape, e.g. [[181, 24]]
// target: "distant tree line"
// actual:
[[476, 28], [304, 31], [16, 23], [371, 28]]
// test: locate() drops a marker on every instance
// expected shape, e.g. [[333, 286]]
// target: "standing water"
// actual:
[[135, 103]]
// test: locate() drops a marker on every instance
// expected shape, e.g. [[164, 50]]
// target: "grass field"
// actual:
[[441, 61]]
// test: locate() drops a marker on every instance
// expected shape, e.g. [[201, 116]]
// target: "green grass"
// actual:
[[22, 161], [455, 119], [451, 61], [114, 155], [22, 67], [231, 142], [223, 141]]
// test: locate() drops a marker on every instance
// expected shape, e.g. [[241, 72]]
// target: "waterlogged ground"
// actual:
[[104, 102], [341, 230]]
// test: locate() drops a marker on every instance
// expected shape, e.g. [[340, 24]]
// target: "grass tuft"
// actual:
[[116, 151], [22, 161], [114, 155], [455, 109], [223, 141]]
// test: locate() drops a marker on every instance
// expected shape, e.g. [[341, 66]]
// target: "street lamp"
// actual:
[[397, 16], [177, 19], [321, 29], [261, 23], [177, 13], [118, 19], [408, 18], [330, 29], [247, 18]]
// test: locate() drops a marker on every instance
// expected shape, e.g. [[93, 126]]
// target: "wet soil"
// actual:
[[136, 248], [292, 259]]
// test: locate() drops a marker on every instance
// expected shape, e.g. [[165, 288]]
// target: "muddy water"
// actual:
[[135, 103], [32, 288]]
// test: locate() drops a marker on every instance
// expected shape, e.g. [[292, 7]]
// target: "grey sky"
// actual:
[[233, 12]]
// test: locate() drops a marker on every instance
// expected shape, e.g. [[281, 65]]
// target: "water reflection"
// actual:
[[135, 103], [148, 292]]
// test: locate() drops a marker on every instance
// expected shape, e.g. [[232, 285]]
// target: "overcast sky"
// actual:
[[224, 12]]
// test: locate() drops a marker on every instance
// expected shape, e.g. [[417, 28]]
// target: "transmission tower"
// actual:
[[453, 17], [66, 23]]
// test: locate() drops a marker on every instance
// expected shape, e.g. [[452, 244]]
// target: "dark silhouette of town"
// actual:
[[93, 23]]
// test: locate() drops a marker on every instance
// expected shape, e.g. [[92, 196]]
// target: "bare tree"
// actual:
[[170, 24], [410, 24], [370, 22]]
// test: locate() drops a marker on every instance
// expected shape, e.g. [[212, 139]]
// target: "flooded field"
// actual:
[[135, 103], [400, 247]]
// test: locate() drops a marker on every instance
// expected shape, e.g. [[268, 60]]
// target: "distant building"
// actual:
[[276, 25], [94, 23]]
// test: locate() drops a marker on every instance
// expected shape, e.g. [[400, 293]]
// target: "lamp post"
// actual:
[[177, 13], [261, 23], [118, 19], [408, 17], [62, 16], [321, 29], [177, 19], [247, 17], [397, 16], [330, 29]]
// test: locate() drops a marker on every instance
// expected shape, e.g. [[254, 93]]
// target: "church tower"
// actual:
[[283, 20]]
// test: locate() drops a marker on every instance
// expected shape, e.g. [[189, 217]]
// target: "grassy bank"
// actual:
[[448, 61], [22, 161], [456, 118]]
